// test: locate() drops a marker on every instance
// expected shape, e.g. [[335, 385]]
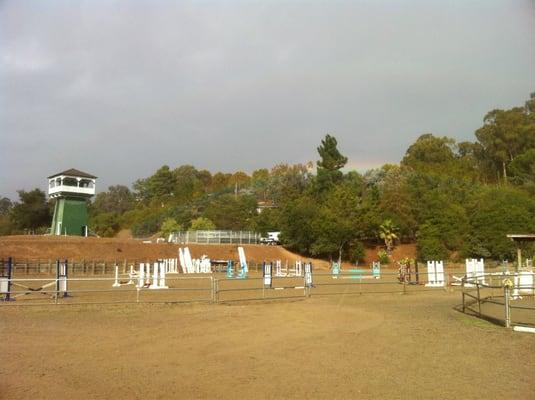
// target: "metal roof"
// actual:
[[74, 172], [527, 237]]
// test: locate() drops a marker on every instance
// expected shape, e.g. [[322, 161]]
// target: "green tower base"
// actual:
[[70, 217]]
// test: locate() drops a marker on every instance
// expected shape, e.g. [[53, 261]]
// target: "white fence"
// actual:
[[215, 237]]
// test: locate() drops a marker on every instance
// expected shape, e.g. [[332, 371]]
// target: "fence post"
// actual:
[[213, 288], [478, 299], [57, 282], [507, 308]]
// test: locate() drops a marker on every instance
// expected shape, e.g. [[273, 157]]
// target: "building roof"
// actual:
[[74, 172], [522, 238]]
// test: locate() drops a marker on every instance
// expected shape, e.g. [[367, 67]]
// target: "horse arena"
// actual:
[[112, 333]]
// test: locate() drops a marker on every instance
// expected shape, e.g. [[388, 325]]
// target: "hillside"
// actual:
[[104, 249]]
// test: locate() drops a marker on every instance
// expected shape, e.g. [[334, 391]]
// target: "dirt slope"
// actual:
[[110, 249], [50, 247]]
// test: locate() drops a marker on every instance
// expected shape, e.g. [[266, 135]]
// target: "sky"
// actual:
[[120, 88]]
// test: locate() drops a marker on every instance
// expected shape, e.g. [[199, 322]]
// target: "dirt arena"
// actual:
[[384, 346], [336, 344]]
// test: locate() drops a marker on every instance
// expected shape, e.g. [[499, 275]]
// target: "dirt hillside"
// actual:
[[110, 249]]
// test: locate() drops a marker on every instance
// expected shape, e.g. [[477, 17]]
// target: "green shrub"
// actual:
[[383, 257], [202, 224], [169, 225]]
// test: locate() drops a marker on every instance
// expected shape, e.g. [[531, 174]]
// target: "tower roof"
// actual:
[[74, 172]]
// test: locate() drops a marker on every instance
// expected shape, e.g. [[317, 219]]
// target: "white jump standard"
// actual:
[[435, 274], [143, 277]]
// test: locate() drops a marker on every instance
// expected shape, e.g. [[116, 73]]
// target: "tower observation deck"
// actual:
[[71, 189]]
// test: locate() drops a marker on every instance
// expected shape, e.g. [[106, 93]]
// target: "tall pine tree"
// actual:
[[332, 161]]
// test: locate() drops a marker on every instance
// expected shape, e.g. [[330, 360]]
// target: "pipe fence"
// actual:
[[506, 298], [39, 282], [500, 296]]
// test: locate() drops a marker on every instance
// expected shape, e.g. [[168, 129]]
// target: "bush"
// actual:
[[383, 257], [169, 226], [202, 224]]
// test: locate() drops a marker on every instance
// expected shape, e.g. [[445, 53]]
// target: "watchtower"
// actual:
[[71, 189]]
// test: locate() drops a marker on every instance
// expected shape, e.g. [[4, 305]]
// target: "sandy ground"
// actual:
[[381, 346]]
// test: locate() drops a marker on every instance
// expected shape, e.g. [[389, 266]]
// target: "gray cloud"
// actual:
[[121, 88]]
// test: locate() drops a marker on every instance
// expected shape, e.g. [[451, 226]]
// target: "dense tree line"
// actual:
[[452, 199]]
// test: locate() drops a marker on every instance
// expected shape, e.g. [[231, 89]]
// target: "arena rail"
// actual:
[[504, 298], [95, 282]]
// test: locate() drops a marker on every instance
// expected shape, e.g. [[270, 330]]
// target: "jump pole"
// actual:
[[5, 279], [62, 276]]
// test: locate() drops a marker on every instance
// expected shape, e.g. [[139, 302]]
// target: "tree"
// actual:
[[336, 224], [238, 180], [387, 232], [429, 149], [147, 226], [5, 206], [330, 163], [522, 170], [429, 245], [288, 182], [297, 230], [186, 184], [395, 201], [202, 224], [159, 186], [105, 224], [205, 177], [5, 209], [505, 135], [259, 182], [228, 212], [495, 212], [32, 211], [118, 199], [266, 221], [220, 182]]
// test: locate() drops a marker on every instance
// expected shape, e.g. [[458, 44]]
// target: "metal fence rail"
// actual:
[[215, 237], [500, 298], [94, 267], [214, 288]]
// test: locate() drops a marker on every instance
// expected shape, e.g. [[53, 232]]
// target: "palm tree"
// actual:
[[387, 232]]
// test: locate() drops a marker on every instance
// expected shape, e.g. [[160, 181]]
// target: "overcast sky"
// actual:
[[119, 88]]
